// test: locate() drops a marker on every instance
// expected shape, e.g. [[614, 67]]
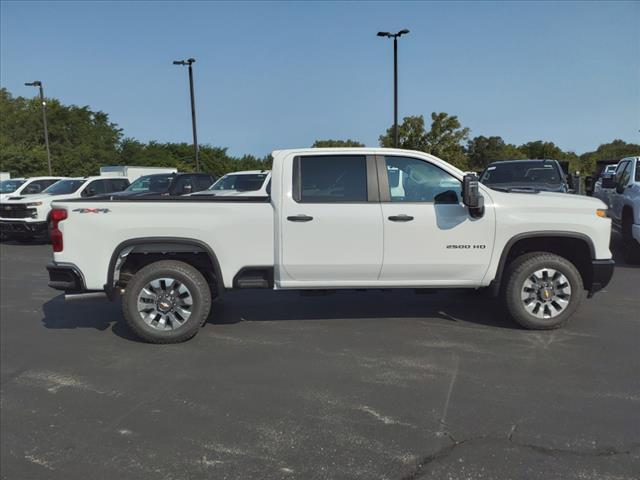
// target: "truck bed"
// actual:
[[239, 229]]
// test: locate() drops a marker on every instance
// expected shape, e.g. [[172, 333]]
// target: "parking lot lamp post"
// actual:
[[43, 104], [189, 62], [395, 37]]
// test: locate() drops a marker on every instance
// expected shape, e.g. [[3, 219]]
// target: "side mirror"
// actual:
[[608, 182], [620, 188], [471, 196]]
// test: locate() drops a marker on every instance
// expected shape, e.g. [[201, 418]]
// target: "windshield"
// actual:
[[521, 173], [247, 182], [8, 186], [151, 183], [63, 187]]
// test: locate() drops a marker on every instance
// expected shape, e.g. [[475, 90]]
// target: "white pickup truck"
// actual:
[[335, 219], [26, 217]]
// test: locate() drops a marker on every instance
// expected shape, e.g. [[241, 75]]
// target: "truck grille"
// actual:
[[15, 211]]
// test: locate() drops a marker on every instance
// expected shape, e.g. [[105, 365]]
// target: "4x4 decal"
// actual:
[[91, 210]]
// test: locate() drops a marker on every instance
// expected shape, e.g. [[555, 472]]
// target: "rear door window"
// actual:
[[203, 182], [330, 179], [97, 187], [118, 185]]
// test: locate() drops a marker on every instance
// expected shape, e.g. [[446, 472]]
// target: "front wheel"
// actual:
[[166, 302], [542, 290]]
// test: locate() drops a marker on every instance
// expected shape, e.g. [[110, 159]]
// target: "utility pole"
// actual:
[[189, 62], [43, 104], [395, 37]]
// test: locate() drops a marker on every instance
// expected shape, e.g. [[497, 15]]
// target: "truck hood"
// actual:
[[40, 197], [545, 200]]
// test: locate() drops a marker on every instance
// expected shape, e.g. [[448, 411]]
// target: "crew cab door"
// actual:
[[429, 235], [616, 196], [330, 221]]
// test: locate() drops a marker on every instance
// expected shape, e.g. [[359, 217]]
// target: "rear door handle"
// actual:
[[401, 218], [300, 218]]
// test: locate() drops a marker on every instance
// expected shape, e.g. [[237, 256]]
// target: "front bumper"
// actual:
[[635, 232], [20, 228], [602, 271], [66, 277]]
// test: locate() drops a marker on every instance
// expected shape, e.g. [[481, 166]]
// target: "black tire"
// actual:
[[186, 275], [521, 269]]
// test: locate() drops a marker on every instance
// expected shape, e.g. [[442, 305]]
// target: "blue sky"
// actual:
[[282, 74]]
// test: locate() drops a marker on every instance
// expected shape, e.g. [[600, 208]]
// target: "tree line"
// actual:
[[83, 140]]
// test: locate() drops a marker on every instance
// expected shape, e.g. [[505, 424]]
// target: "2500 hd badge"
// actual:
[[466, 246]]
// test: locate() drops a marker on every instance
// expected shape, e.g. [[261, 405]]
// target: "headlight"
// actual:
[[34, 204]]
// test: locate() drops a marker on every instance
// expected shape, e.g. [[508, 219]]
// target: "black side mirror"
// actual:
[[471, 196], [608, 182]]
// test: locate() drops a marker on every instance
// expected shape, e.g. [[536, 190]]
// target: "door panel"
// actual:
[[442, 244], [428, 233], [329, 230]]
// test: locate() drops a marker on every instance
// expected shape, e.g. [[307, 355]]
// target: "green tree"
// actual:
[[613, 151], [483, 150], [81, 139], [444, 139], [336, 143]]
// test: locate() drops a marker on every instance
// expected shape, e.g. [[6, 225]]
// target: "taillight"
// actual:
[[57, 215]]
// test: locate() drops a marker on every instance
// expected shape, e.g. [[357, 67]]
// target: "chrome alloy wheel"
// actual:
[[165, 304], [546, 293]]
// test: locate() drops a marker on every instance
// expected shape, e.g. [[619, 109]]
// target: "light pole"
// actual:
[[395, 37], [43, 104], [188, 62]]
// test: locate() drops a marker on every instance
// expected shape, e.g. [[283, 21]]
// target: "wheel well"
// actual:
[[131, 256], [577, 250]]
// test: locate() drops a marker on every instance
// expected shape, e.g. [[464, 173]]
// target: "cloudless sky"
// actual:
[[281, 74]]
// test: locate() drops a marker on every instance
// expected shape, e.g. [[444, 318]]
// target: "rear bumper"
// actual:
[[602, 271], [22, 228], [66, 277]]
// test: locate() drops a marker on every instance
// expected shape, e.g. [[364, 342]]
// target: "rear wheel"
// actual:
[[166, 302], [542, 290]]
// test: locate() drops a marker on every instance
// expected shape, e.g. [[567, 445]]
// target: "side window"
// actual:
[[330, 179], [184, 185], [35, 187], [637, 170], [118, 185], [48, 183], [96, 187], [203, 182], [623, 173], [414, 180]]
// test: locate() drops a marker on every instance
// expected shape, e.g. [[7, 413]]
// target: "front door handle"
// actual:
[[300, 218], [401, 218]]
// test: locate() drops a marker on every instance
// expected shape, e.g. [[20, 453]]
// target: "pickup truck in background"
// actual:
[[335, 219], [15, 188], [251, 183], [621, 192], [167, 184], [542, 175], [27, 217]]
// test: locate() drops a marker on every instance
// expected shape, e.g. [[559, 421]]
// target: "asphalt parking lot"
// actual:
[[356, 385]]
